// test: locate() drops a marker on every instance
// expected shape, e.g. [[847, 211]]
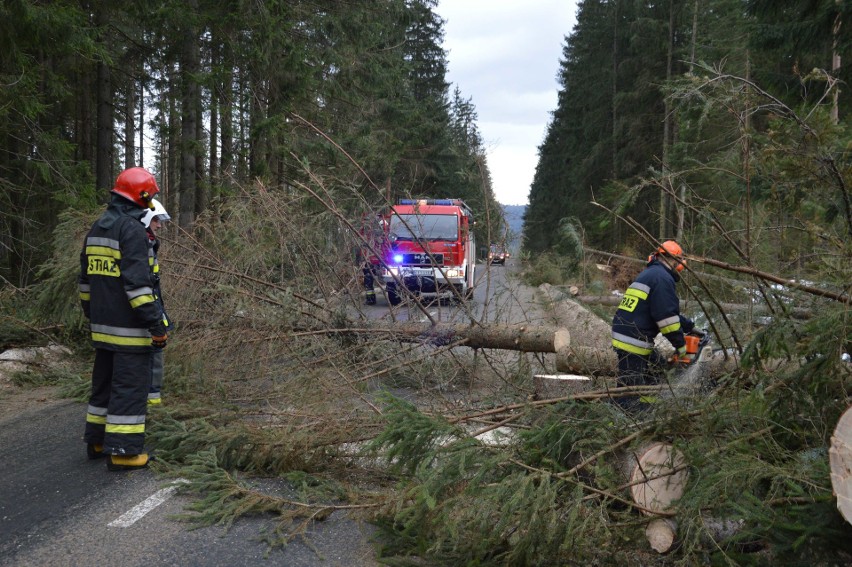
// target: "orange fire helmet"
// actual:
[[137, 184], [673, 249]]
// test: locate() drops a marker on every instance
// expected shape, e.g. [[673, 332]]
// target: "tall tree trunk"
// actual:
[[173, 148], [141, 126], [835, 65], [681, 212], [202, 185], [257, 142], [614, 158], [130, 125], [215, 101], [746, 156], [242, 165], [11, 241], [104, 151], [667, 134], [226, 101], [614, 109], [84, 146], [189, 118]]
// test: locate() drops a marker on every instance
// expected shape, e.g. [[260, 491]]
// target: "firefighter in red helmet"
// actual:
[[126, 323], [650, 306]]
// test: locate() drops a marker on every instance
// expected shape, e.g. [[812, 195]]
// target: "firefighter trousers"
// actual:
[[157, 369], [117, 407], [638, 370], [369, 284]]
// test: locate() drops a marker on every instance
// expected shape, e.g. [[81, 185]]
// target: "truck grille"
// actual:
[[422, 259]]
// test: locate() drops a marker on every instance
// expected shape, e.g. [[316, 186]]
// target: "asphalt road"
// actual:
[[57, 508]]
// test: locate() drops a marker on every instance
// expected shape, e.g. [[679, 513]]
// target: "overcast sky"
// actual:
[[504, 55]]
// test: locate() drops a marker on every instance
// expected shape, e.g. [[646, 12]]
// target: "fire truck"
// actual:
[[431, 252]]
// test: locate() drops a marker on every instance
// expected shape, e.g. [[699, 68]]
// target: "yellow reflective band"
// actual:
[[102, 266], [85, 296], [103, 251], [627, 347], [122, 341], [628, 303], [649, 399], [138, 428], [670, 328], [97, 419], [141, 300], [636, 293]]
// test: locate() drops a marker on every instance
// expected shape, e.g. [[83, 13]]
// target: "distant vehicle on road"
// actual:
[[497, 254]]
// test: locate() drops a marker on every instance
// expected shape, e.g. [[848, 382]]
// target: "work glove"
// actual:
[[678, 356], [159, 336], [701, 333]]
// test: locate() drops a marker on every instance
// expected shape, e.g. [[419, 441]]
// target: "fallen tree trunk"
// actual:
[[570, 358], [514, 337], [586, 360]]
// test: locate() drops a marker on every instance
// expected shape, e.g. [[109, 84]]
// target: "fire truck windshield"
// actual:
[[424, 227]]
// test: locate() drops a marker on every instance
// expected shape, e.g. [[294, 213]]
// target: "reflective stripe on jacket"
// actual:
[[115, 280], [649, 306]]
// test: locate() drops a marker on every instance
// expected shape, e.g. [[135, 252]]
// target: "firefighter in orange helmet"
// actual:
[[116, 293], [650, 306]]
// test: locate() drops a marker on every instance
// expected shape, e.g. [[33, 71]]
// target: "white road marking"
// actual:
[[138, 512]]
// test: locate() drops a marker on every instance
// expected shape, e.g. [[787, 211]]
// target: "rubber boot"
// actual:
[[128, 462], [95, 451]]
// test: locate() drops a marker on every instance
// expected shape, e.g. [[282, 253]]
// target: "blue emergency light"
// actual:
[[397, 258], [429, 202]]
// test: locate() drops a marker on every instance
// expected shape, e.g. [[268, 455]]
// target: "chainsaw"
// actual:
[[697, 344]]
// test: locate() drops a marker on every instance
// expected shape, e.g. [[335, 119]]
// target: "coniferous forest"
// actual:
[[676, 115], [276, 129], [213, 95]]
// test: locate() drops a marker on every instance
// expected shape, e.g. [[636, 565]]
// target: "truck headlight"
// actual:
[[453, 273]]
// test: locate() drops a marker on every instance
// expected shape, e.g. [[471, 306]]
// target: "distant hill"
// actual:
[[514, 215]]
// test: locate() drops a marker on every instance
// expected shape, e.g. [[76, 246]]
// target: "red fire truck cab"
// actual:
[[431, 249]]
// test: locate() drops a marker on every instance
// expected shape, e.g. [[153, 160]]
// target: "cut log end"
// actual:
[[561, 340], [661, 534], [658, 477], [840, 459]]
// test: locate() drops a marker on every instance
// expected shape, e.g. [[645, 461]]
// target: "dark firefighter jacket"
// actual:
[[115, 280], [650, 306]]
